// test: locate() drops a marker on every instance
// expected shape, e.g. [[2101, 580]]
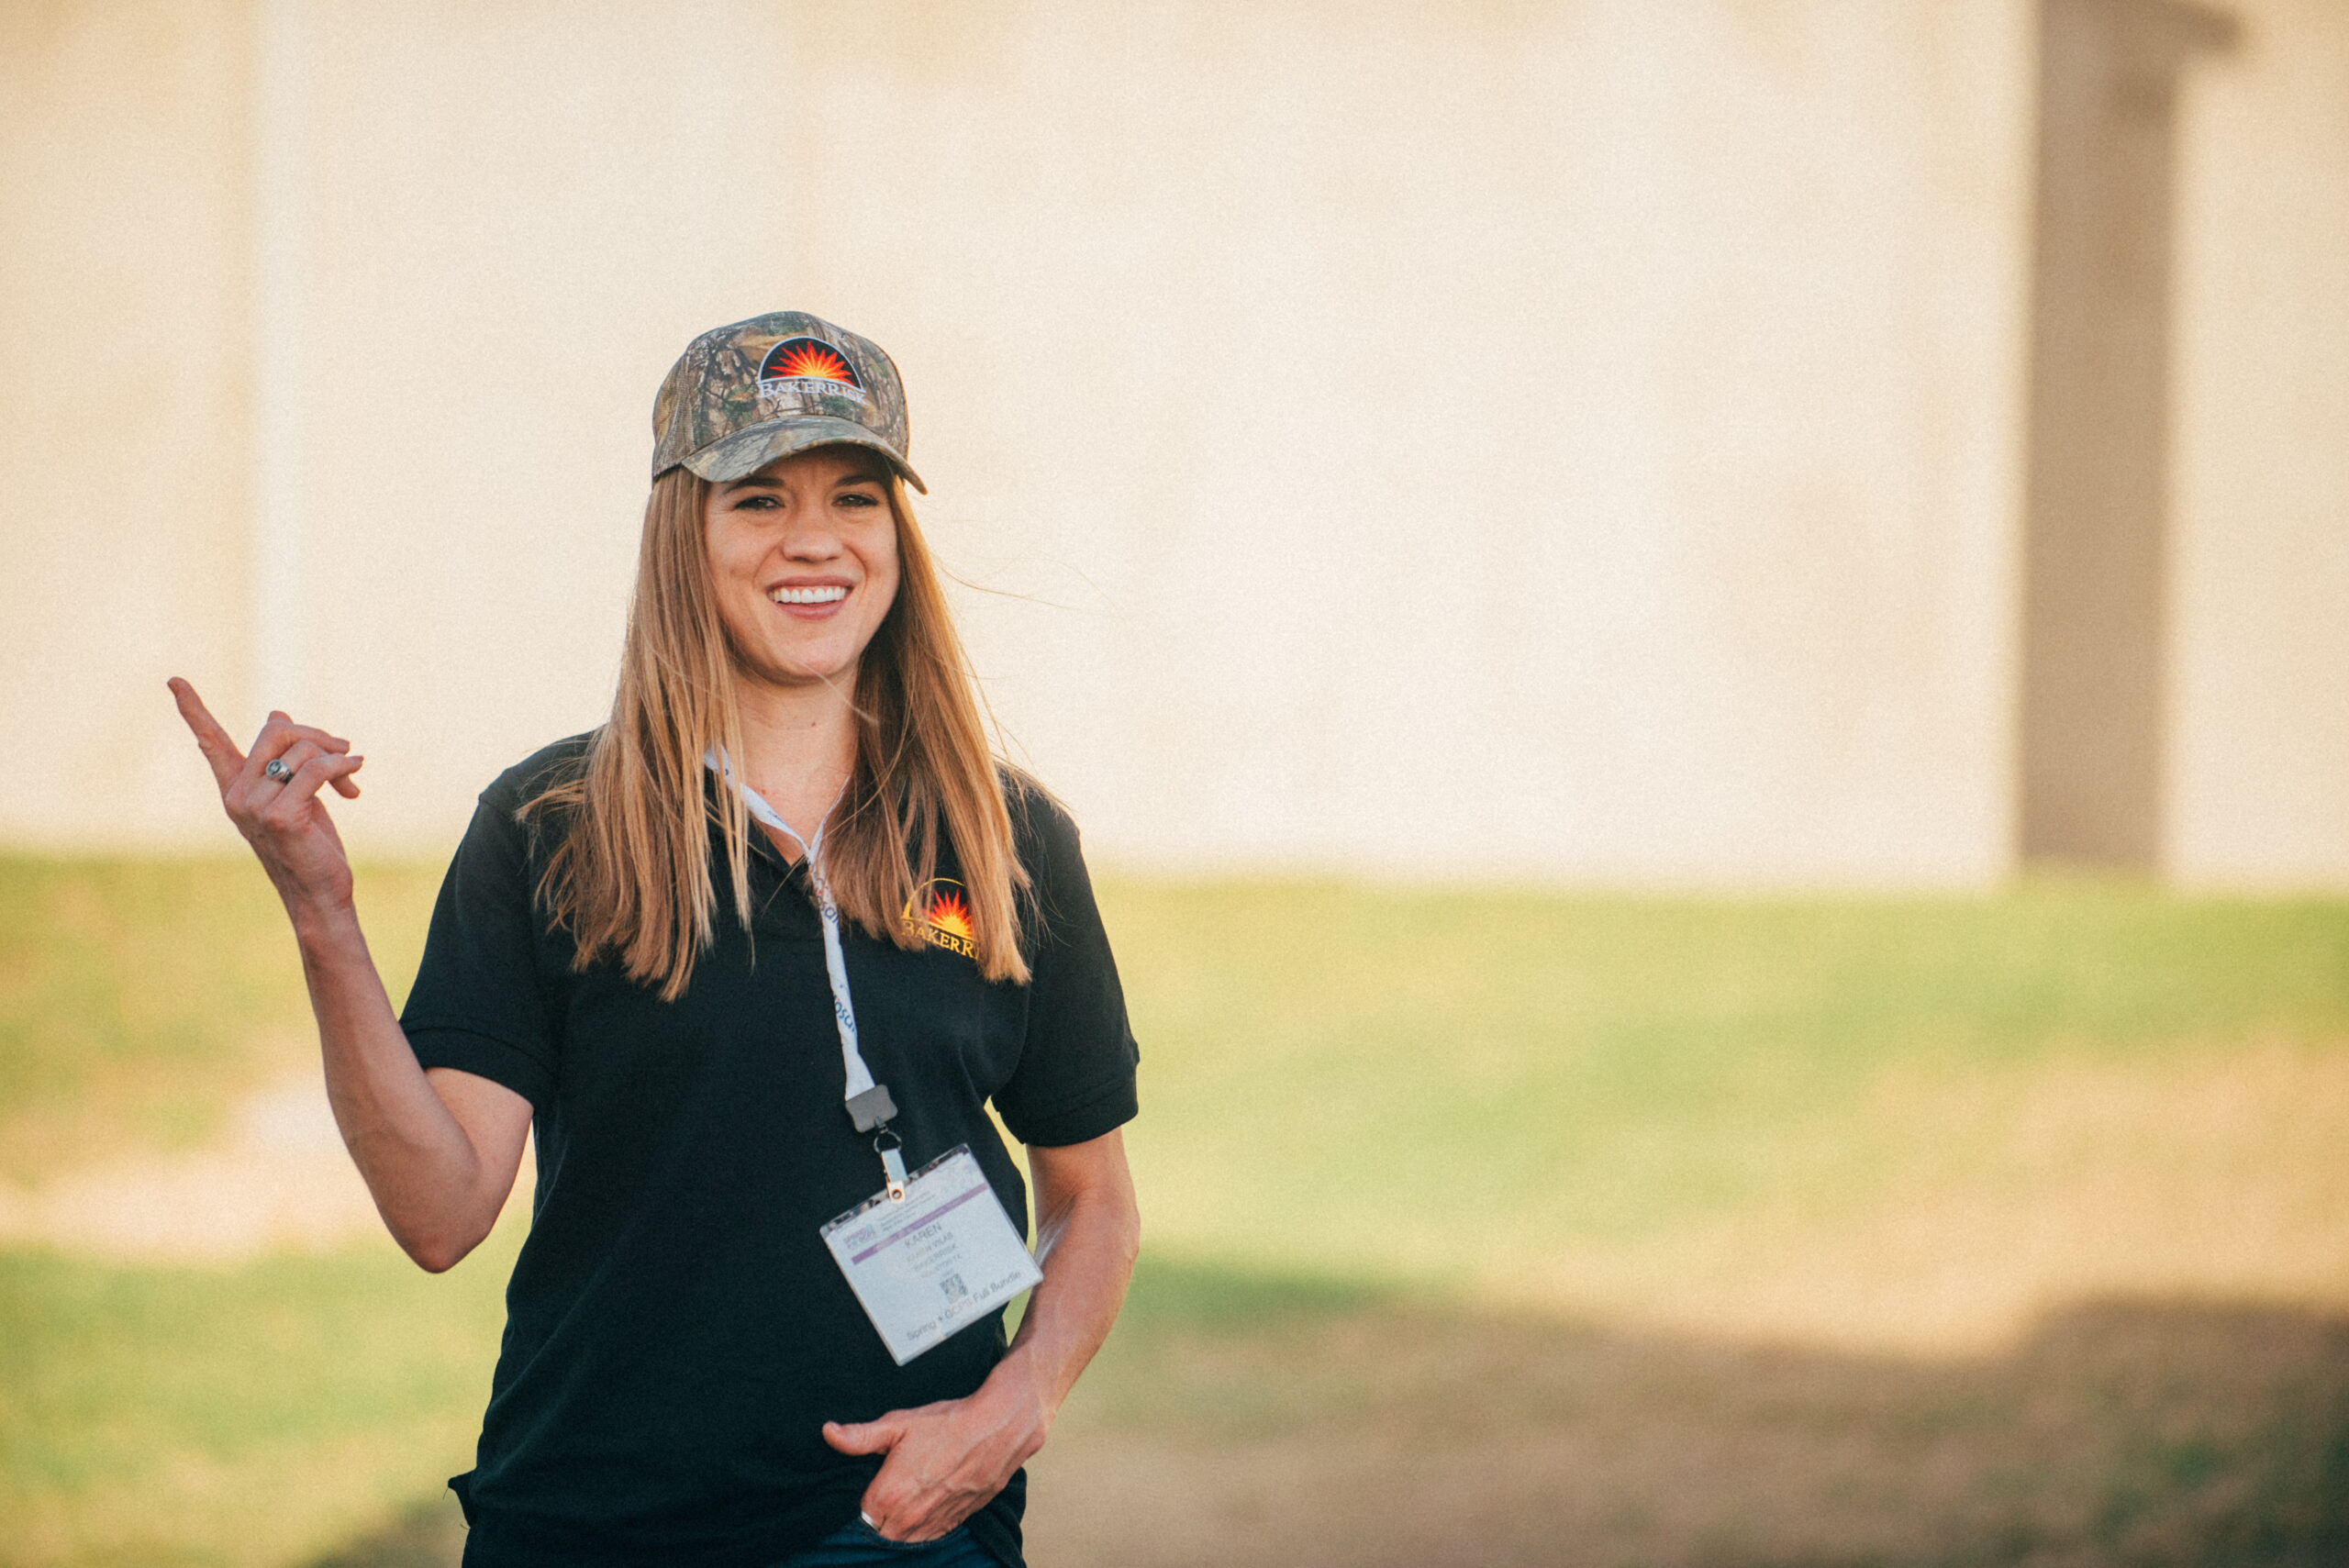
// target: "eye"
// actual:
[[859, 498]]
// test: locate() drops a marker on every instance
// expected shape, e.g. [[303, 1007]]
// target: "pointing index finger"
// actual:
[[210, 738]]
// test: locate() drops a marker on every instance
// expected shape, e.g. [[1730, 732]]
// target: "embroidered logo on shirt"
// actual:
[[943, 919]]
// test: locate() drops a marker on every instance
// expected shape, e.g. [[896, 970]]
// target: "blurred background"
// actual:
[[1704, 648]]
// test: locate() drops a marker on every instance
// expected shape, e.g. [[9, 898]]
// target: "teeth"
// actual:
[[830, 596]]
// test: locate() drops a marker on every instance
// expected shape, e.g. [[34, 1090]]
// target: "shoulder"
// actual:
[[546, 768], [1042, 832], [526, 810], [1057, 907]]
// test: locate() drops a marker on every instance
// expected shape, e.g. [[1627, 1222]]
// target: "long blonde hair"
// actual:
[[630, 876]]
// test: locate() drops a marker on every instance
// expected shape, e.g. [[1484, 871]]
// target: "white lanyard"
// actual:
[[869, 1106]]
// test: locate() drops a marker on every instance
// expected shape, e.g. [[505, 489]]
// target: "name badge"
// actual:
[[942, 1256]]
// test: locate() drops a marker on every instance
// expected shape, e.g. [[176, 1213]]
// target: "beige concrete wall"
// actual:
[[1569, 439], [2260, 661], [1543, 440], [123, 460], [519, 215]]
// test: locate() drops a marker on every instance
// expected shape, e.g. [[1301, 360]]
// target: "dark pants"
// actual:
[[858, 1545]]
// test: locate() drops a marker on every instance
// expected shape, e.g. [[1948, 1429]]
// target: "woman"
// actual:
[[751, 959]]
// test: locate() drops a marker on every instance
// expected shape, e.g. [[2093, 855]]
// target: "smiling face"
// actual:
[[803, 554]]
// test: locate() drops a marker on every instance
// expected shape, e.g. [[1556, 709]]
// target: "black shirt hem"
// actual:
[[484, 1056], [1103, 1111]]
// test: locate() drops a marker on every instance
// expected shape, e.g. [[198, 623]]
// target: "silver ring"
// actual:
[[278, 770]]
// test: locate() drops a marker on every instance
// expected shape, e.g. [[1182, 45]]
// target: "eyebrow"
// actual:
[[760, 482]]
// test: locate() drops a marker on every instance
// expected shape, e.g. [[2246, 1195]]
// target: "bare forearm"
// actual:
[[1085, 1245], [429, 1181]]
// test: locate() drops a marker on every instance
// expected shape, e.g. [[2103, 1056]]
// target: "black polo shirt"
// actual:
[[676, 1332]]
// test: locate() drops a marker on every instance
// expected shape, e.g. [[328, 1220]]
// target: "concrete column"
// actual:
[[2093, 709]]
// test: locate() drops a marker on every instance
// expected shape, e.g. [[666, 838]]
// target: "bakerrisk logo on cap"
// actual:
[[808, 366], [941, 917]]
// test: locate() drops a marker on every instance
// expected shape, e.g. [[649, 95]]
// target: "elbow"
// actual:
[[435, 1260], [436, 1256], [437, 1251], [437, 1231]]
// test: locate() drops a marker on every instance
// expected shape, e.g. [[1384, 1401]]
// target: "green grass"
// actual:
[[140, 998], [1348, 1092], [1493, 1075], [244, 1416]]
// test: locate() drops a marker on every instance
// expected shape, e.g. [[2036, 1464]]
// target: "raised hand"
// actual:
[[277, 808]]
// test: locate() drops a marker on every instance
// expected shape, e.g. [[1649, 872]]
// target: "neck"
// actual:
[[798, 745]]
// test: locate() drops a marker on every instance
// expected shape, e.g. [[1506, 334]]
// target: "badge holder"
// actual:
[[930, 1254]]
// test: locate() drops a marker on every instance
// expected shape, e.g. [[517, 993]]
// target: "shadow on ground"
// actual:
[[1240, 1420], [427, 1535]]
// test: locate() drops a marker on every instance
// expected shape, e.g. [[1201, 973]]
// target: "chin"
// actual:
[[804, 670]]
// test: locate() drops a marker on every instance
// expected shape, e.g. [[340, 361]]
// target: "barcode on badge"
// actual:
[[954, 1287]]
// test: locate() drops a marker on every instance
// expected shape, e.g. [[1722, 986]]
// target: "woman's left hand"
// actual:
[[944, 1460]]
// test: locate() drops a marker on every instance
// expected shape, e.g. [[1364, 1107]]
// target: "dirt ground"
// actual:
[[2117, 1432], [278, 1179]]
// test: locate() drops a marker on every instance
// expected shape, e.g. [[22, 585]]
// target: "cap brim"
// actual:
[[748, 451]]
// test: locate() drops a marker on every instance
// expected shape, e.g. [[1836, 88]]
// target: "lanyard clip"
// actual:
[[891, 1148], [872, 1108]]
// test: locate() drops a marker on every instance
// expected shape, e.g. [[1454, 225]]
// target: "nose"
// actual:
[[811, 538]]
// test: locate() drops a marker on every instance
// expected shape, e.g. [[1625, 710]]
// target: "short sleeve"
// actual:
[[1075, 1077], [478, 1004]]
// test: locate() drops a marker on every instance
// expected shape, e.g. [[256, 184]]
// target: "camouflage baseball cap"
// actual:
[[742, 396]]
